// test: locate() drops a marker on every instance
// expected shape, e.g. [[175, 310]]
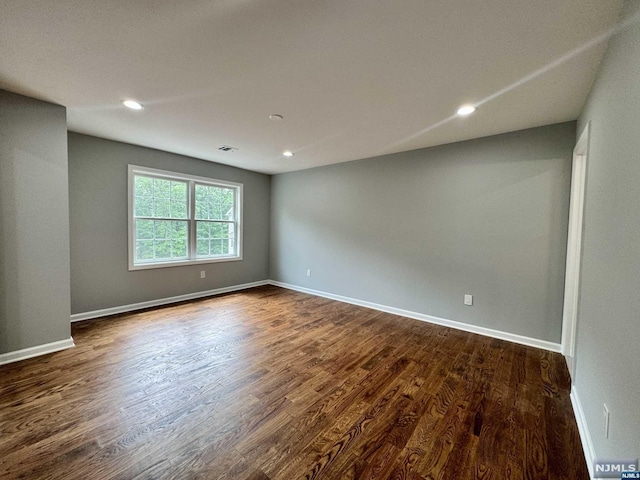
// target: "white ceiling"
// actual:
[[352, 78]]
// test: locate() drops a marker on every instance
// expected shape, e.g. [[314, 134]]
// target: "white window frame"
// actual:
[[192, 180]]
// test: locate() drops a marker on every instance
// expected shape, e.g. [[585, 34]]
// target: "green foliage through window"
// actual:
[[162, 219], [214, 203]]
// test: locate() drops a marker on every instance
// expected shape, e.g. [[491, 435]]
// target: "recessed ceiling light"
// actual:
[[132, 104], [287, 153], [465, 110], [276, 117]]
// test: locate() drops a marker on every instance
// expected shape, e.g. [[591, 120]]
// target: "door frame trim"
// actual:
[[574, 247]]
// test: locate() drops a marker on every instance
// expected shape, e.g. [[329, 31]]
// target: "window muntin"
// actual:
[[178, 219]]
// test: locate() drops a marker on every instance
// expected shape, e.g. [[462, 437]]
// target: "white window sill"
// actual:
[[183, 263]]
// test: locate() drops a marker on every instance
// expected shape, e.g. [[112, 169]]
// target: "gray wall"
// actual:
[[608, 360], [34, 223], [98, 203], [417, 230]]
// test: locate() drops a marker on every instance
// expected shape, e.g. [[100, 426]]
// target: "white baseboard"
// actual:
[[36, 351], [583, 428], [76, 317], [489, 332], [511, 337]]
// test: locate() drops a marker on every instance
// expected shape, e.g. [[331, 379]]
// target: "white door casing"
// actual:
[[574, 248]]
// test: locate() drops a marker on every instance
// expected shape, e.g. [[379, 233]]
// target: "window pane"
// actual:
[[160, 198], [163, 249], [161, 207], [143, 206], [144, 250], [215, 239], [217, 230], [226, 250], [216, 247], [214, 203], [221, 230], [202, 211], [144, 186], [144, 230], [203, 229], [161, 230], [179, 248], [180, 230], [202, 249], [178, 191], [178, 209], [161, 188], [161, 240]]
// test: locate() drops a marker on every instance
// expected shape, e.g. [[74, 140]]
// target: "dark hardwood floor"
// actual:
[[273, 384]]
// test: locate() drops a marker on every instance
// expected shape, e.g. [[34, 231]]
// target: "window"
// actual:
[[177, 219]]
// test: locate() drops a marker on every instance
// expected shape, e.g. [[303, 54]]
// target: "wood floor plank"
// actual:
[[271, 384]]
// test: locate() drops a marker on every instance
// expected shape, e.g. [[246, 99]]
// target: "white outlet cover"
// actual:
[[468, 299]]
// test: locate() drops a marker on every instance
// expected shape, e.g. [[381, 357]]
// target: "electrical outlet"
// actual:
[[308, 272], [468, 299], [605, 418], [203, 274]]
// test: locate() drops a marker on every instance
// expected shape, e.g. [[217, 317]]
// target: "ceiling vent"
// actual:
[[227, 148]]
